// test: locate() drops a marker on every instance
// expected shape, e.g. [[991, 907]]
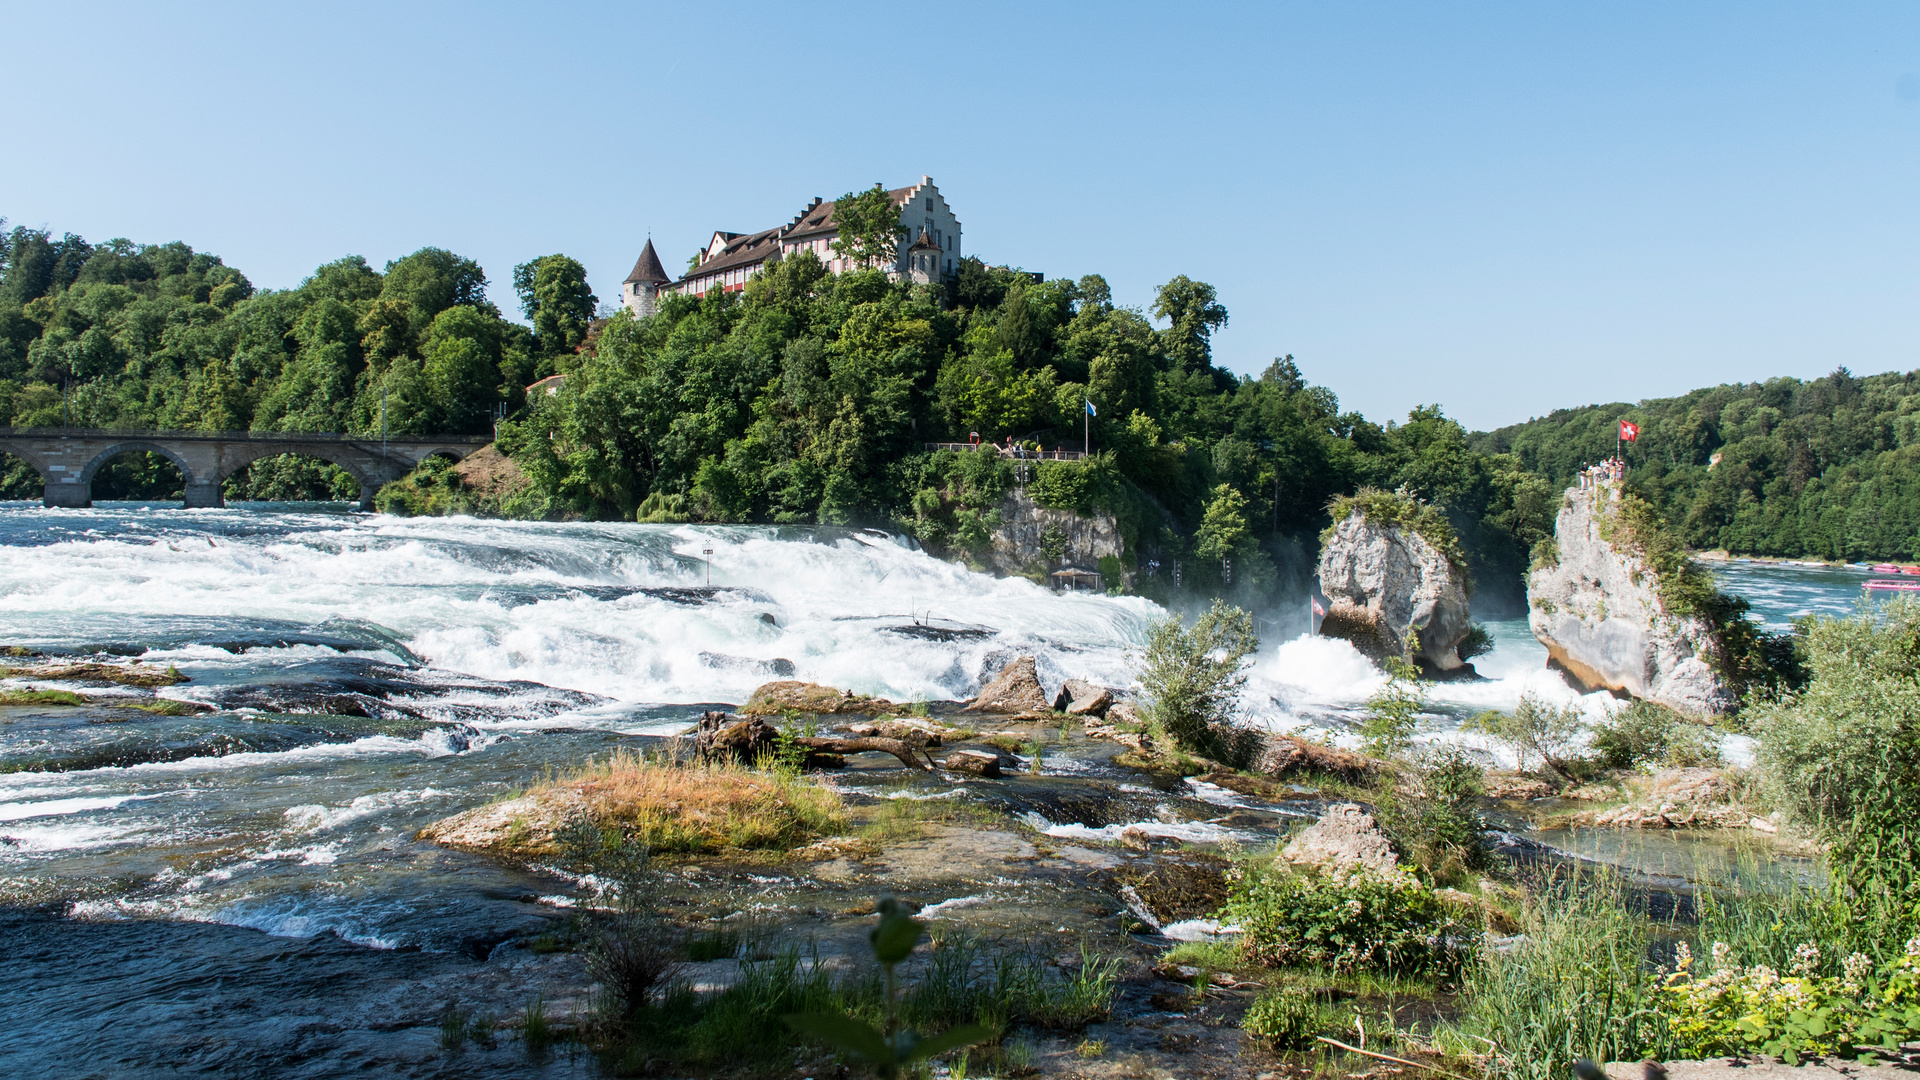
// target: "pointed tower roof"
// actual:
[[925, 243], [647, 269]]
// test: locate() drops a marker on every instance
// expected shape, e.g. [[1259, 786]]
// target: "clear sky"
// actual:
[[1502, 208]]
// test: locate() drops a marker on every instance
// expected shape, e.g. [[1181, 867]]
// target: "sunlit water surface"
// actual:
[[373, 674]]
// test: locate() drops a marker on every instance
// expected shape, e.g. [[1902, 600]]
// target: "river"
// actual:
[[369, 675]]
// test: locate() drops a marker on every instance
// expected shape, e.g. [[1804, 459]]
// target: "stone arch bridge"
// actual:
[[67, 458]]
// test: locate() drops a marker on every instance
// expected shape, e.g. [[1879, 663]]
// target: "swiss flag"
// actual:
[[1629, 431]]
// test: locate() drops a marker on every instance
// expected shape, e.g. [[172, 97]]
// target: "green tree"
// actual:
[[554, 296], [869, 224], [1194, 312], [1224, 525]]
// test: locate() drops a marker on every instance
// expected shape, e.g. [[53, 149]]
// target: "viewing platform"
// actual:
[[1018, 453]]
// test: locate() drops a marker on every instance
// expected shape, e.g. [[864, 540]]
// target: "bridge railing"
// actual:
[[236, 436]]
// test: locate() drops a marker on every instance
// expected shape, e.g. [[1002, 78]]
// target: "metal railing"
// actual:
[[1016, 452]]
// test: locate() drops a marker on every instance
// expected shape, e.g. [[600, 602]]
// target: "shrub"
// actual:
[[662, 508], [1477, 643], [1439, 823], [1738, 1011], [1842, 755], [1537, 730], [1394, 712], [1407, 511], [634, 950], [1191, 678], [1646, 733], [1347, 922], [1286, 1018]]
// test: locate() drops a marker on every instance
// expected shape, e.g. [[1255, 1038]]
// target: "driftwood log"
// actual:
[[897, 748]]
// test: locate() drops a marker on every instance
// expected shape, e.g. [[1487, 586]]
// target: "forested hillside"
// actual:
[[807, 397], [1826, 469], [124, 335]]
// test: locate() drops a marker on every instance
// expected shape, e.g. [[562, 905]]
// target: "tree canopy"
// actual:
[[1827, 468]]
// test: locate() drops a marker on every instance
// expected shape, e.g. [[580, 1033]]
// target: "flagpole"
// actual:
[[1086, 431]]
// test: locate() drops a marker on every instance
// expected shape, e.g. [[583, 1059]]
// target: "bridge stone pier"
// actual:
[[68, 458]]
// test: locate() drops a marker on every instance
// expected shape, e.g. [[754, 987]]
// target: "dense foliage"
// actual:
[[809, 396], [1346, 922], [1828, 468], [1843, 755], [1191, 678], [125, 335]]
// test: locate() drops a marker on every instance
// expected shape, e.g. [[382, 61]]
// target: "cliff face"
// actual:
[[1392, 593], [1598, 612], [1029, 534]]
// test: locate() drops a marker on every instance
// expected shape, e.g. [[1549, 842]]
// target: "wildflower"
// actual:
[[1764, 977], [1806, 958], [1722, 956], [1856, 968], [1683, 957], [1913, 947], [1353, 908]]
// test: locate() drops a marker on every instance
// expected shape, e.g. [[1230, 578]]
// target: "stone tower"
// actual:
[[923, 260], [642, 287]]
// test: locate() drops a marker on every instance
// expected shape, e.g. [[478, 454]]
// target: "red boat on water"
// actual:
[[1902, 586]]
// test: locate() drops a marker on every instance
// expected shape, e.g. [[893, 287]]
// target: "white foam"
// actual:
[[940, 910], [21, 811], [1197, 930], [315, 817], [1194, 831]]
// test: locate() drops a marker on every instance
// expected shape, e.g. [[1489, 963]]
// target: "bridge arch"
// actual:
[[100, 459], [339, 454]]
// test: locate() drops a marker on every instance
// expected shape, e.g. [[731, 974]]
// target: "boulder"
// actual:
[[1080, 698], [973, 762], [1503, 784], [1015, 691], [1679, 799], [1391, 592], [722, 737], [1286, 755], [775, 698], [1597, 610], [1344, 840]]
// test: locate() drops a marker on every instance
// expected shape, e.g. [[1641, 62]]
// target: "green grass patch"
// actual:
[[40, 697]]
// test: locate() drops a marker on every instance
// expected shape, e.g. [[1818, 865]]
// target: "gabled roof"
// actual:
[[748, 250], [647, 270]]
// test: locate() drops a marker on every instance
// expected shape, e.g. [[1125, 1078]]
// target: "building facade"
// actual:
[[928, 251]]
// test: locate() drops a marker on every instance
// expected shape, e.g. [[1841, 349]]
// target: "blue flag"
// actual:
[[1090, 410]]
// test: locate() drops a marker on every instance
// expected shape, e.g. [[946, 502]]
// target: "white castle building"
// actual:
[[729, 259]]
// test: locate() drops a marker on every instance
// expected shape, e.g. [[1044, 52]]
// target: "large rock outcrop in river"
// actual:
[[1394, 587], [1598, 610], [1030, 536]]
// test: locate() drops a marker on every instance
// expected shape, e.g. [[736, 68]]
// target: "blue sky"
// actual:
[[1502, 208]]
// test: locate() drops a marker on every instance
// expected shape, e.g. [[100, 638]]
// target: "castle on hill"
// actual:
[[729, 259]]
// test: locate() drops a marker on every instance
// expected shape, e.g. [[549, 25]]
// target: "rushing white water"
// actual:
[[373, 674]]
